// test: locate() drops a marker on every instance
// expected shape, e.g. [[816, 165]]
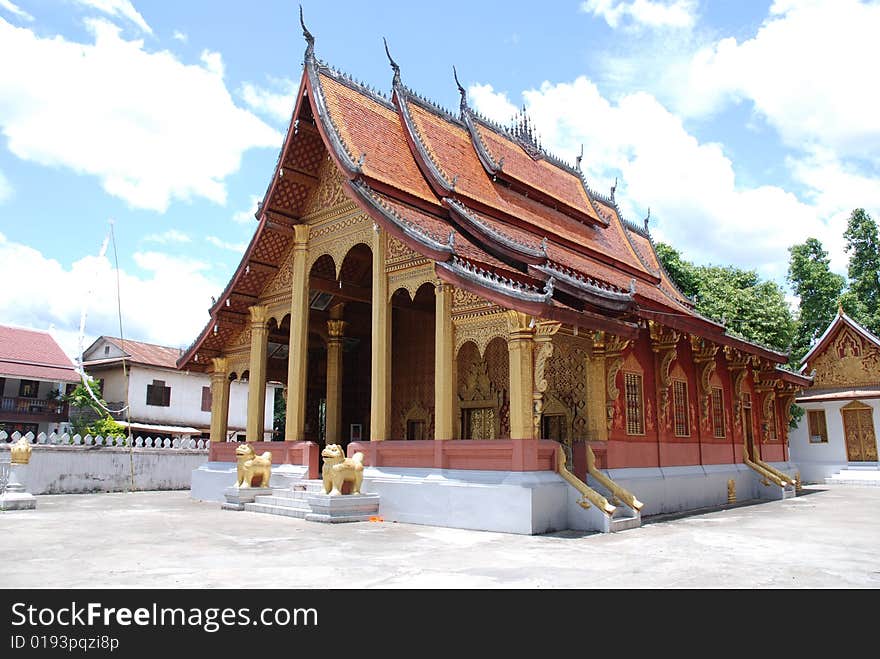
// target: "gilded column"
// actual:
[[297, 361], [219, 399], [597, 413], [519, 349], [544, 332], [380, 361], [256, 408], [444, 358], [335, 331]]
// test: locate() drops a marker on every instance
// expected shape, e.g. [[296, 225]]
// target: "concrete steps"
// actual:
[[290, 502], [867, 474]]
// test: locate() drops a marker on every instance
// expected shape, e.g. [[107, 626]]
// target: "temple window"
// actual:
[[718, 429], [158, 394], [680, 408], [635, 409], [817, 427]]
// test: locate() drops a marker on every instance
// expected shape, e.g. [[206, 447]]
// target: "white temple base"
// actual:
[[342, 508], [236, 497], [210, 480]]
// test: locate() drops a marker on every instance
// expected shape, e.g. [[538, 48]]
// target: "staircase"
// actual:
[[624, 518], [289, 502], [865, 473]]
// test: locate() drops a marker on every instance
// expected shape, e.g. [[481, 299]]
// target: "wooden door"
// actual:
[[858, 429], [479, 423]]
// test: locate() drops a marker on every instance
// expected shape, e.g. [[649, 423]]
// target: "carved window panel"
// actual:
[[718, 429], [817, 427], [635, 407], [680, 408]]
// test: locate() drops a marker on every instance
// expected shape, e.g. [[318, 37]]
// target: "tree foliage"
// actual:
[[863, 246], [747, 305], [819, 289], [87, 417]]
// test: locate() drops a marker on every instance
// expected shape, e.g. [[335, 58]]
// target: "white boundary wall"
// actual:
[[91, 465]]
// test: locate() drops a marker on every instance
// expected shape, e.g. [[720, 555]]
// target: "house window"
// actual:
[[2, 385], [817, 429], [635, 414], [106, 350], [680, 408], [206, 399], [718, 412], [158, 394], [28, 388]]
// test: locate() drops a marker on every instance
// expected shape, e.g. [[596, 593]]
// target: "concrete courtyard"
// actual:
[[826, 538]]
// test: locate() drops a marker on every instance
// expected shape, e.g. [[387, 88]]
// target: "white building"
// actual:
[[164, 401], [837, 437], [34, 374]]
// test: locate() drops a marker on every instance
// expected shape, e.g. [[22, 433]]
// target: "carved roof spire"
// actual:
[[394, 66], [577, 161], [310, 40], [647, 218], [613, 188], [460, 89]]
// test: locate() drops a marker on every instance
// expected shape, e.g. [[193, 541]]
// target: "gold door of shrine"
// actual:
[[858, 428]]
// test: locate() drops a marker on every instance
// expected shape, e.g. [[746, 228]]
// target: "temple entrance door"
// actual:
[[858, 428], [479, 423]]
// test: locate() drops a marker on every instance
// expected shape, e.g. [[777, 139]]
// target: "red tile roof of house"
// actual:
[[139, 352], [33, 355]]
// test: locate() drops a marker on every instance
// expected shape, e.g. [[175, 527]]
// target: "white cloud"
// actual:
[[170, 236], [643, 13], [150, 127], [807, 71], [118, 9], [247, 216], [275, 102], [55, 296], [213, 62], [222, 244], [15, 10], [182, 37], [695, 200], [6, 190]]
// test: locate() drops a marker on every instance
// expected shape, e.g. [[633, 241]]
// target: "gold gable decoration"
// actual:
[[850, 361]]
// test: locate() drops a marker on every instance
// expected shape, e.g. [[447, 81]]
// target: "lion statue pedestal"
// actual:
[[15, 496], [252, 478], [333, 505]]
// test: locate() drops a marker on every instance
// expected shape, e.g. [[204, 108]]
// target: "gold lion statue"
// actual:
[[338, 469], [253, 470]]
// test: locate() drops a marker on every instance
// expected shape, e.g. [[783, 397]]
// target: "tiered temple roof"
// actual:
[[499, 215]]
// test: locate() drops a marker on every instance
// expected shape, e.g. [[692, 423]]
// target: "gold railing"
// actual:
[[767, 474], [590, 496], [773, 470], [624, 495]]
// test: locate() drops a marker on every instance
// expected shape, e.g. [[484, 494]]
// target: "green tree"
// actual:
[[863, 247], [86, 414], [819, 290], [682, 272], [280, 417], [748, 306]]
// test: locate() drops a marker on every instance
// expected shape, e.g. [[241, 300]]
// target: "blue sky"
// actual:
[[744, 126]]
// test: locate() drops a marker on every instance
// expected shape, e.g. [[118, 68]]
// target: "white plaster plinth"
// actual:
[[342, 507], [211, 479], [17, 501], [236, 497]]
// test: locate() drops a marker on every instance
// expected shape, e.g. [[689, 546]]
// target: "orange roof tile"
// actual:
[[369, 127]]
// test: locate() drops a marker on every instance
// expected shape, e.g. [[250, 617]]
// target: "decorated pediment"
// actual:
[[849, 360]]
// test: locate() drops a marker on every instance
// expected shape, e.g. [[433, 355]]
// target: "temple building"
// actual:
[[836, 439], [462, 307]]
